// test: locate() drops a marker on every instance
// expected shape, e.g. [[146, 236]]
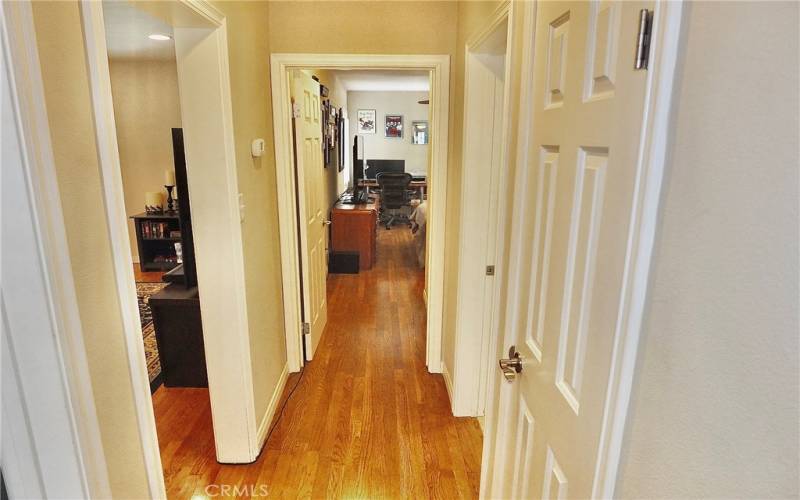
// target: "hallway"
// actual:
[[366, 419]]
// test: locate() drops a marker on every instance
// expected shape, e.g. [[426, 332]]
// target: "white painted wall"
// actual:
[[379, 147], [714, 411]]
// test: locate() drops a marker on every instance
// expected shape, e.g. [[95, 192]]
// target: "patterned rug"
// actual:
[[144, 291]]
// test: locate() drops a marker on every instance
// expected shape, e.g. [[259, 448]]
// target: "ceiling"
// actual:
[[384, 80], [127, 29]]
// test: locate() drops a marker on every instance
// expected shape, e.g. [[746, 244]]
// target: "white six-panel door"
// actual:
[[310, 171], [568, 249]]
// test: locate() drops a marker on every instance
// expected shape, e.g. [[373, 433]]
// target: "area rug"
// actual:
[[144, 291]]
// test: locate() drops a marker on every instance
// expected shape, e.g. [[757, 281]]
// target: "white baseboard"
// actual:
[[263, 427], [448, 383]]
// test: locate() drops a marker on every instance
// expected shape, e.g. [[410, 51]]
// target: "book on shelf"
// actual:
[[158, 231]]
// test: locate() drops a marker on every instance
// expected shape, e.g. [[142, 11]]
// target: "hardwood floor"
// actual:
[[366, 421], [146, 276]]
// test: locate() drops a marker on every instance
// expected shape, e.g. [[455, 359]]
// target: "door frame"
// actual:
[[34, 464], [472, 348], [439, 67], [665, 52], [201, 49]]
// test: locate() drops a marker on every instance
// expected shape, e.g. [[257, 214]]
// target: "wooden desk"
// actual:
[[353, 229], [420, 186]]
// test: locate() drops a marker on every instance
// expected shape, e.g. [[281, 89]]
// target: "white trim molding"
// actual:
[[480, 188], [116, 220], [28, 446], [664, 52], [439, 67], [263, 427]]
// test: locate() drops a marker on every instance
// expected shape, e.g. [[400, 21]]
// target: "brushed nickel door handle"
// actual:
[[512, 365]]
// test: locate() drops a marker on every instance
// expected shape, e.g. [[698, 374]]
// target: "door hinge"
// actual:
[[489, 270], [306, 329], [643, 39]]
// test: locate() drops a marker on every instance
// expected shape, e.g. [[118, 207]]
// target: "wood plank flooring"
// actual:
[[366, 421], [146, 276]]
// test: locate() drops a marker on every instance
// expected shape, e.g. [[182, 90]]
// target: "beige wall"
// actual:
[[248, 50], [146, 107], [363, 27], [66, 86], [715, 404], [377, 145]]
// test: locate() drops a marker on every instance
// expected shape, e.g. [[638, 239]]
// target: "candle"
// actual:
[[169, 177], [154, 199]]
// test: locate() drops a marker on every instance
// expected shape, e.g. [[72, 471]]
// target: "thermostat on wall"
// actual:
[[257, 149]]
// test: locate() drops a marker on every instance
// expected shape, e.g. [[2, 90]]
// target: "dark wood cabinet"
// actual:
[[179, 334]]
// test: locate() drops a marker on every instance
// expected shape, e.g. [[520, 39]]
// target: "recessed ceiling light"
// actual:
[[159, 37]]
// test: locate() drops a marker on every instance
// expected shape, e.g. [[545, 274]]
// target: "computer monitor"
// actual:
[[358, 162], [357, 172], [374, 167]]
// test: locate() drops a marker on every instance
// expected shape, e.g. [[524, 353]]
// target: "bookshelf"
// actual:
[[156, 235]]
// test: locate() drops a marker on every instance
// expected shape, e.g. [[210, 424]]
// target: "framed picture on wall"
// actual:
[[419, 131], [366, 121], [394, 126]]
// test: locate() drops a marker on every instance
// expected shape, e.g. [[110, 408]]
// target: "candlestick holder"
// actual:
[[170, 200]]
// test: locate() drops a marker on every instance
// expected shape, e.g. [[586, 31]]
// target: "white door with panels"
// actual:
[[312, 216], [568, 249]]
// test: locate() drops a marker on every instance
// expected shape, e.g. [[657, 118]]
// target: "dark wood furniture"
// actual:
[[353, 229], [155, 241], [420, 186], [179, 335]]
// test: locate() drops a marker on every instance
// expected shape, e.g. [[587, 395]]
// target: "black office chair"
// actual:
[[394, 196]]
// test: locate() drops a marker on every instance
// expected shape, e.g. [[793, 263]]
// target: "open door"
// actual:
[[311, 214], [569, 254]]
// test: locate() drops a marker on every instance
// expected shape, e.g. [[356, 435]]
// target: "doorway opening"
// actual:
[[299, 289], [357, 179], [145, 92], [367, 334], [205, 134]]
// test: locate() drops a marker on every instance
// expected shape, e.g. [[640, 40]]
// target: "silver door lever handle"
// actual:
[[512, 365]]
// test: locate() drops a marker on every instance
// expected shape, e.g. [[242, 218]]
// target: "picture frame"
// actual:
[[394, 126], [366, 121], [420, 134]]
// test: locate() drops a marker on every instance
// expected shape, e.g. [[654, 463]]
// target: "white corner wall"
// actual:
[[377, 145], [714, 411]]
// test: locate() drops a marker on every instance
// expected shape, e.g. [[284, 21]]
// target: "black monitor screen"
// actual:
[[374, 167]]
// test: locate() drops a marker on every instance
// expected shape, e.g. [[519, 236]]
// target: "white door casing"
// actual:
[[281, 67], [484, 153], [308, 161], [587, 184], [51, 444]]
